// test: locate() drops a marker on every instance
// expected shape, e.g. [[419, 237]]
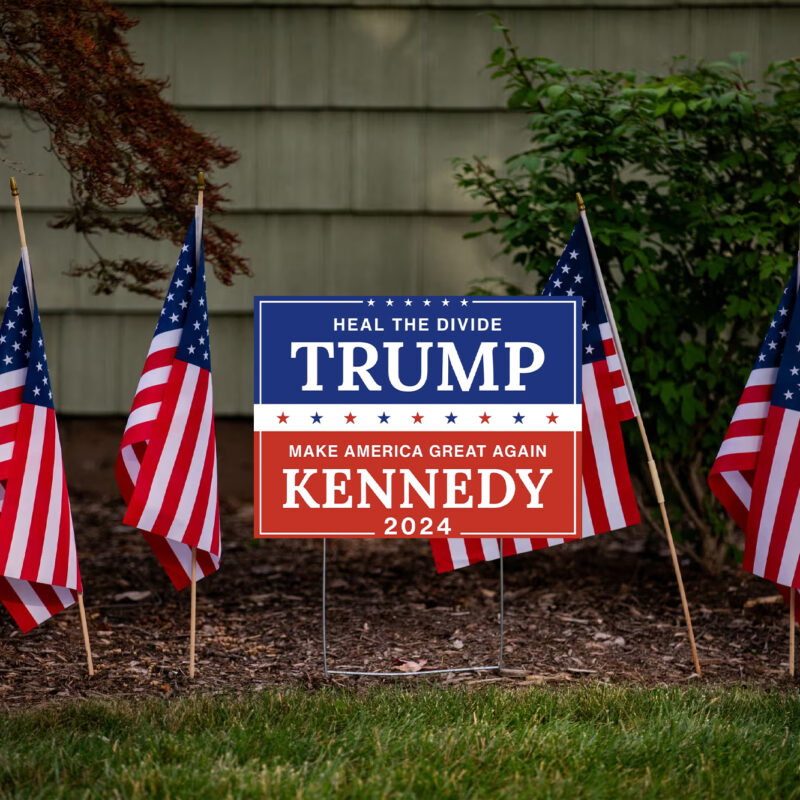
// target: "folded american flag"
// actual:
[[756, 474], [167, 463], [39, 575], [608, 499]]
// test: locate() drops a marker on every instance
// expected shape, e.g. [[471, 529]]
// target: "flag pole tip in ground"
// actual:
[[581, 204], [792, 596], [201, 182], [14, 189]]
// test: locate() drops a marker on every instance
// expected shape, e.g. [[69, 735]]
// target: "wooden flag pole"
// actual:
[[792, 590], [201, 185], [26, 267], [792, 595], [650, 462], [193, 622]]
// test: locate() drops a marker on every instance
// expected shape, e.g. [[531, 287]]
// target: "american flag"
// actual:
[[608, 500], [167, 463], [39, 575], [756, 475]]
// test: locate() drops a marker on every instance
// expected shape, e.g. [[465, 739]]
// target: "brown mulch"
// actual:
[[605, 609]]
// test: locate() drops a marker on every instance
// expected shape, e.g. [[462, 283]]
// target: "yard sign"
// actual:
[[417, 416]]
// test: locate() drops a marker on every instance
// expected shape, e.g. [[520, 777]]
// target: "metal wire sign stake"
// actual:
[[453, 419], [327, 671]]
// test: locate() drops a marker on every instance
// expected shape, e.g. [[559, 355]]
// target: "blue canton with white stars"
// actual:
[[574, 276], [22, 344], [185, 306], [781, 348]]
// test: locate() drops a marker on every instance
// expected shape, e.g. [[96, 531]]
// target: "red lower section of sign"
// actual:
[[425, 484]]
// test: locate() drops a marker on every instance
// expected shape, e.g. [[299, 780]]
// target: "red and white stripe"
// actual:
[[731, 478], [12, 385], [616, 376], [608, 499], [166, 468], [38, 558]]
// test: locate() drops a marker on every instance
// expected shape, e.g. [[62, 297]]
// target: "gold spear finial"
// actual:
[[201, 182], [14, 189], [581, 204]]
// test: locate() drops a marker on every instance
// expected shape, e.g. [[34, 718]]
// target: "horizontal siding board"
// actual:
[[378, 57], [290, 254], [426, 58], [388, 156], [302, 56], [137, 5], [314, 161]]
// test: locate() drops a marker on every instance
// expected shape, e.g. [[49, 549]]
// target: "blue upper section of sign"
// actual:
[[496, 339]]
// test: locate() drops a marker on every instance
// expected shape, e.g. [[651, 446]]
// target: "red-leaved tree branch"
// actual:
[[69, 65]]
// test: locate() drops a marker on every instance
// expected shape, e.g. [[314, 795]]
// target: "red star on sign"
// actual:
[[282, 418], [551, 417], [417, 417], [485, 417], [350, 417]]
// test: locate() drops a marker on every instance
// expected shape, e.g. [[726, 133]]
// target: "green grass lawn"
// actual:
[[426, 742]]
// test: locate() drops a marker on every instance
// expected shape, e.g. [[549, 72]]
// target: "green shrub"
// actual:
[[691, 183]]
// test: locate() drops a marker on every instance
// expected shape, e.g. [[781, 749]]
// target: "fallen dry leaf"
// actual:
[[406, 665], [763, 601], [133, 596]]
